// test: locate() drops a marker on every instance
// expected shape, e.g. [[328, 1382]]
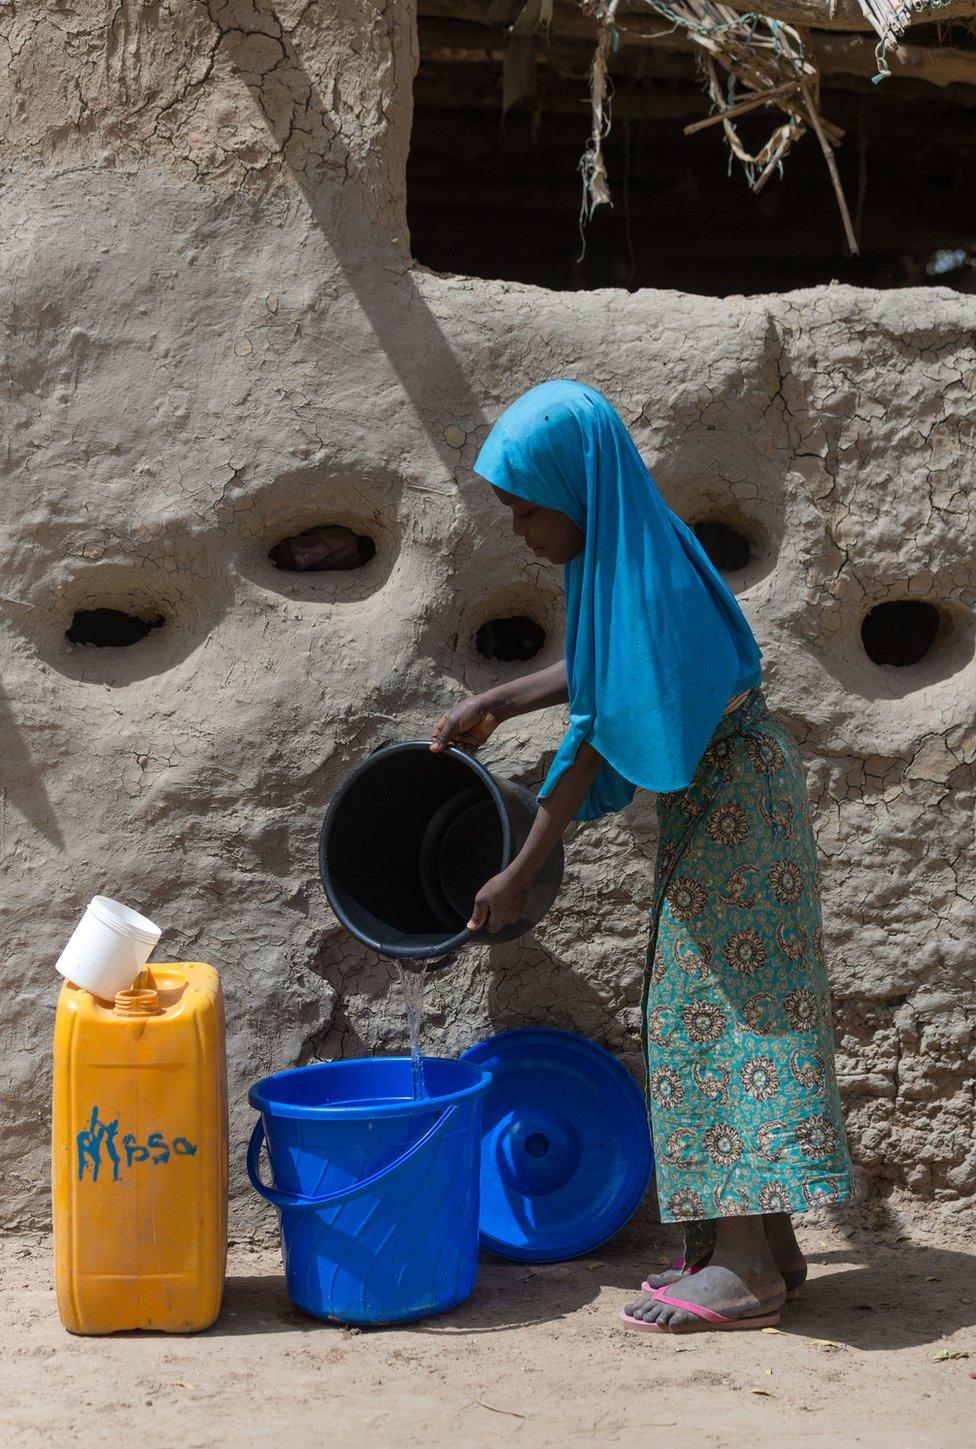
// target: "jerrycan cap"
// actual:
[[565, 1149]]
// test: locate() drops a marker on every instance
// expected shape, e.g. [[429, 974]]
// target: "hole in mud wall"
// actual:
[[498, 196], [728, 549], [900, 632], [109, 628], [323, 548], [510, 640]]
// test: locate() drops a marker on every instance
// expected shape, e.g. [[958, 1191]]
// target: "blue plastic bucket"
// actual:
[[378, 1193]]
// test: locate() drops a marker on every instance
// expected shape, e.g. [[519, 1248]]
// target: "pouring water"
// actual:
[[413, 982], [413, 979]]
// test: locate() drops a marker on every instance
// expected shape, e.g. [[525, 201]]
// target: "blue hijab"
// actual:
[[655, 643]]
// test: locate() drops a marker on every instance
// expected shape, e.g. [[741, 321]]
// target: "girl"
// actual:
[[662, 678]]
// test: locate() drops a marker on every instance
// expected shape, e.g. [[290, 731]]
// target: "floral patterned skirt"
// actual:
[[742, 1093]]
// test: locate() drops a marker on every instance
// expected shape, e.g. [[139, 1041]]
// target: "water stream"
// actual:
[[413, 982]]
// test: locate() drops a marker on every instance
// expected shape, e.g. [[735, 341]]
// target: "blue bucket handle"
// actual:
[[282, 1199]]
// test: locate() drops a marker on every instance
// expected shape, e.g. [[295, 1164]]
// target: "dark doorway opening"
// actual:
[[109, 628], [901, 632], [515, 638]]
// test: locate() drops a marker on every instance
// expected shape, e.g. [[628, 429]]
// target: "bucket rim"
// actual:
[[397, 952], [367, 1111]]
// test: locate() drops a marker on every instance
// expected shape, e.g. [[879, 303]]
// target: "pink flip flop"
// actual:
[[710, 1320]]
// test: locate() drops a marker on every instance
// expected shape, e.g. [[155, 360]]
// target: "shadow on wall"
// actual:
[[390, 294], [20, 782]]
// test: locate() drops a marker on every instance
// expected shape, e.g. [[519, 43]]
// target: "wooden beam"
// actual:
[[845, 14], [470, 39], [569, 21], [815, 14], [936, 65], [576, 43]]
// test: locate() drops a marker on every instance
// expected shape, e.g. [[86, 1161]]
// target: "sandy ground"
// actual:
[[880, 1351]]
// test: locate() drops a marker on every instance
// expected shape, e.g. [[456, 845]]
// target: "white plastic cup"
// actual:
[[108, 949]]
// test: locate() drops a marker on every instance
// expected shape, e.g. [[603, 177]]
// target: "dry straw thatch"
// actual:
[[750, 62]]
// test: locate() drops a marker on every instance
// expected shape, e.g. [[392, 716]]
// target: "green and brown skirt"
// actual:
[[742, 1092]]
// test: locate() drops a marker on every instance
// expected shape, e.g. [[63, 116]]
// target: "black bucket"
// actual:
[[411, 837]]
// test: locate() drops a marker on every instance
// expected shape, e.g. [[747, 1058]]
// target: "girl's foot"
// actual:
[[734, 1287], [740, 1280], [782, 1244]]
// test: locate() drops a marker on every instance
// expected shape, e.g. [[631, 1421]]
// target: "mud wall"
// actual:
[[213, 335]]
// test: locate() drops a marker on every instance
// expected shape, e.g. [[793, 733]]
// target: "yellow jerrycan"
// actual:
[[139, 1146]]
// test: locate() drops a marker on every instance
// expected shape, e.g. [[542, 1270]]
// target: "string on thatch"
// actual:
[[890, 19], [750, 62]]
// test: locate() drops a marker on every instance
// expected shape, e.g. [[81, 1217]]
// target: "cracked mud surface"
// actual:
[[214, 336]]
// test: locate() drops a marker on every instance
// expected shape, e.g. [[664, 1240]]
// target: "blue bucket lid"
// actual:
[[565, 1147]]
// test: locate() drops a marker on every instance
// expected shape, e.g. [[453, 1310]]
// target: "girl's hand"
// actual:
[[500, 902], [468, 725]]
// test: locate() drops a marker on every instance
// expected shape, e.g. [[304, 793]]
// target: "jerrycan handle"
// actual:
[[294, 1200]]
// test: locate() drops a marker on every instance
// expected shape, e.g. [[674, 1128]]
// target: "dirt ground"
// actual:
[[879, 1351]]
